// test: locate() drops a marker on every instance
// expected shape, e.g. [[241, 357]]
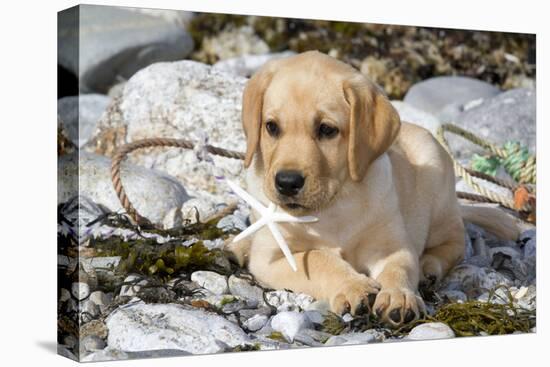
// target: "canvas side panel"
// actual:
[[67, 188]]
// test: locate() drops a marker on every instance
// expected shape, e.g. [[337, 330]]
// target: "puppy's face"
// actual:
[[311, 122]]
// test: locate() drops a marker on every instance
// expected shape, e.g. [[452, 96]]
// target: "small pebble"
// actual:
[[92, 343], [242, 288], [432, 330], [211, 281], [256, 322], [80, 290], [133, 289], [369, 336], [100, 299], [64, 295], [289, 323], [347, 317]]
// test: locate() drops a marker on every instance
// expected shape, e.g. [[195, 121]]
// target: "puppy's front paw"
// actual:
[[355, 296], [398, 306]]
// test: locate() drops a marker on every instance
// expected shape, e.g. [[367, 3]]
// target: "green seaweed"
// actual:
[[498, 316], [478, 318], [145, 256], [247, 347], [276, 335], [227, 300], [333, 324]]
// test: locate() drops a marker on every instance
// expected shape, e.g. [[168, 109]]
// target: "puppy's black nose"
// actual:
[[289, 183]]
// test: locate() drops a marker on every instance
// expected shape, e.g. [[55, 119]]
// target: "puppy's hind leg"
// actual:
[[437, 260]]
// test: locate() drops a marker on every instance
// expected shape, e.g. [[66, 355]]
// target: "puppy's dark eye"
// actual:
[[326, 131], [272, 128]]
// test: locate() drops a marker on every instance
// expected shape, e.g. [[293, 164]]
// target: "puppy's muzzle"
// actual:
[[289, 183]]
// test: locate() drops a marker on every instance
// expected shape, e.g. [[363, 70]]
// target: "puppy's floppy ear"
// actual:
[[374, 124], [253, 96]]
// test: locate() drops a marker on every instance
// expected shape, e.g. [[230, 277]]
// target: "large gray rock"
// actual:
[[184, 99], [80, 115], [114, 43], [154, 194], [447, 92], [409, 113], [141, 327], [510, 116]]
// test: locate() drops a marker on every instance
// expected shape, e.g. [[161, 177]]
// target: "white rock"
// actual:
[[106, 354], [101, 262], [232, 222], [64, 295], [256, 322], [347, 317], [131, 290], [80, 115], [369, 336], [315, 317], [183, 99], [80, 290], [289, 323], [100, 299], [88, 310], [154, 194], [528, 299], [202, 207], [92, 343], [142, 327], [211, 281], [432, 330], [288, 301], [241, 287]]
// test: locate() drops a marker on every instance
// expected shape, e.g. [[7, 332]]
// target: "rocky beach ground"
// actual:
[[126, 292]]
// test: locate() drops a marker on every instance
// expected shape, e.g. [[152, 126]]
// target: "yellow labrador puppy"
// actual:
[[323, 140]]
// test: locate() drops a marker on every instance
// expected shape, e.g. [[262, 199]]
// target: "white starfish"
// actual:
[[269, 217]]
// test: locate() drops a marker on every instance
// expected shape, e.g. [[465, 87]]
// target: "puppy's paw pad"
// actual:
[[396, 307]]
